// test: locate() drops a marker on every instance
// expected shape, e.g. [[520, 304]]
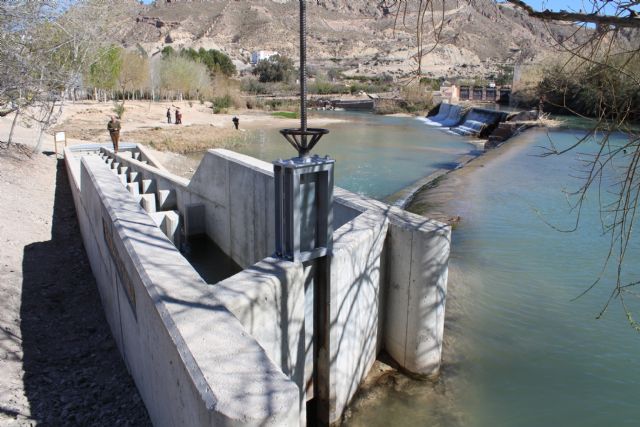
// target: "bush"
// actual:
[[118, 109], [221, 103], [253, 86], [593, 90], [417, 98], [321, 87]]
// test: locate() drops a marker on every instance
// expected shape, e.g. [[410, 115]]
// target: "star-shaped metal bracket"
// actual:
[[303, 140]]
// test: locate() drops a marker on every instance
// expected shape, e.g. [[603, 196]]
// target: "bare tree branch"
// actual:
[[632, 20]]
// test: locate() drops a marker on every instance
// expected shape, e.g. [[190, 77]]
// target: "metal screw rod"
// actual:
[[303, 69]]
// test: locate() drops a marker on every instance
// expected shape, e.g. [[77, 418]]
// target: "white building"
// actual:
[[260, 55]]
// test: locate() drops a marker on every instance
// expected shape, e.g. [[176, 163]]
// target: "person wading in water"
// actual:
[[113, 126]]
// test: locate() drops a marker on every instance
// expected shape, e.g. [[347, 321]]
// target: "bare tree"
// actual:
[[602, 59], [45, 47]]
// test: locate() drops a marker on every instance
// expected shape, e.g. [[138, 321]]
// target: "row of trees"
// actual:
[[125, 74], [131, 74]]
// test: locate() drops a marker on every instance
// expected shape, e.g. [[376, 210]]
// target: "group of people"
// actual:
[[113, 126], [178, 115]]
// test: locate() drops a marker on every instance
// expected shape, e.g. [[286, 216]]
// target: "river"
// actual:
[[519, 350]]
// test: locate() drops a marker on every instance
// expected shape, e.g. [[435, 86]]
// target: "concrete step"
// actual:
[[169, 223], [167, 200], [122, 178], [135, 177], [148, 202], [123, 170], [147, 186], [115, 165], [134, 188], [136, 155]]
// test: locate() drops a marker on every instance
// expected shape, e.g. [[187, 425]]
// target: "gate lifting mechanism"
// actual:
[[303, 184], [304, 229]]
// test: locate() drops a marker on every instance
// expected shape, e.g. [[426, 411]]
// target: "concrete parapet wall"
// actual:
[[238, 193], [357, 304], [192, 360], [416, 262], [417, 259], [268, 299], [388, 280]]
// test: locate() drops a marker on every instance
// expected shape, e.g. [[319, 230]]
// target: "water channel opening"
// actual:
[[206, 257]]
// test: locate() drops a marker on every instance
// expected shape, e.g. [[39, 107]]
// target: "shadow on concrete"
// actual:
[[73, 371]]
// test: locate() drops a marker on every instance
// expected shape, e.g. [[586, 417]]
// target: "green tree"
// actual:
[[275, 69], [105, 71]]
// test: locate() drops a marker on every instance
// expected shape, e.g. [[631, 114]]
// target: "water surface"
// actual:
[[375, 155], [521, 351]]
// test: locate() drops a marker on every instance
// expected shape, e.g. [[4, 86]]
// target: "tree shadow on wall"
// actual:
[[73, 370]]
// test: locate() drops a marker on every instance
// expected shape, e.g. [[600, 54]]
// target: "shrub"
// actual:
[[221, 103], [118, 109], [251, 85]]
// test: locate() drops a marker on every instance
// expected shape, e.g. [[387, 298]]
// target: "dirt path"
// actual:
[[59, 363]]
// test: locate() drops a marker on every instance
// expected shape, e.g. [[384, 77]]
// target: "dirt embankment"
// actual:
[[59, 362], [146, 123]]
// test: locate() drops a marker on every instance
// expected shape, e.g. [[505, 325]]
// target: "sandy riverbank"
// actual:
[[146, 123]]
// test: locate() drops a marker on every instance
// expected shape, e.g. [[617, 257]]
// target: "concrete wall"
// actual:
[[389, 274], [416, 264], [357, 304], [269, 300], [192, 360]]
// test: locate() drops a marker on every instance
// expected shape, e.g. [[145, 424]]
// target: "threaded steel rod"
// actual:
[[303, 69]]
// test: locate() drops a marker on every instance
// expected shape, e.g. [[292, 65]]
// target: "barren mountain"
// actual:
[[357, 36]]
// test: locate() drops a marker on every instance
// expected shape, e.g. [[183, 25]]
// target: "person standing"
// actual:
[[236, 122], [113, 126], [169, 115]]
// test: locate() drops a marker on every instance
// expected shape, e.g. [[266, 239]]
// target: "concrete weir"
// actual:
[[238, 352]]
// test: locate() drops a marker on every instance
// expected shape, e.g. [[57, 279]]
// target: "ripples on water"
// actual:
[[375, 155], [531, 355]]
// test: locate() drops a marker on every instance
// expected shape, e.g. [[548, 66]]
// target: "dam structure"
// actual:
[[239, 352], [474, 121]]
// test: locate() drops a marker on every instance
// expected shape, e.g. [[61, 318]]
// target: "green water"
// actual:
[[521, 352], [375, 155]]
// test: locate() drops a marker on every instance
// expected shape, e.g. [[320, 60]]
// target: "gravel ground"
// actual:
[[59, 363]]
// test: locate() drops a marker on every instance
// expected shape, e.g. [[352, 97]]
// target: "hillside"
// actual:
[[355, 36]]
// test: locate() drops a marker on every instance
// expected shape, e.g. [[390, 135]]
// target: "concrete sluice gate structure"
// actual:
[[448, 115], [239, 352], [474, 122]]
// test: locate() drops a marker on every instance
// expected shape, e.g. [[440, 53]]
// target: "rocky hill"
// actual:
[[356, 36]]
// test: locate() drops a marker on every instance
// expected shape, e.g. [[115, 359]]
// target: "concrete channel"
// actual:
[[238, 352]]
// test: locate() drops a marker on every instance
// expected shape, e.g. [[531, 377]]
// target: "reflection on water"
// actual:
[[525, 353]]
